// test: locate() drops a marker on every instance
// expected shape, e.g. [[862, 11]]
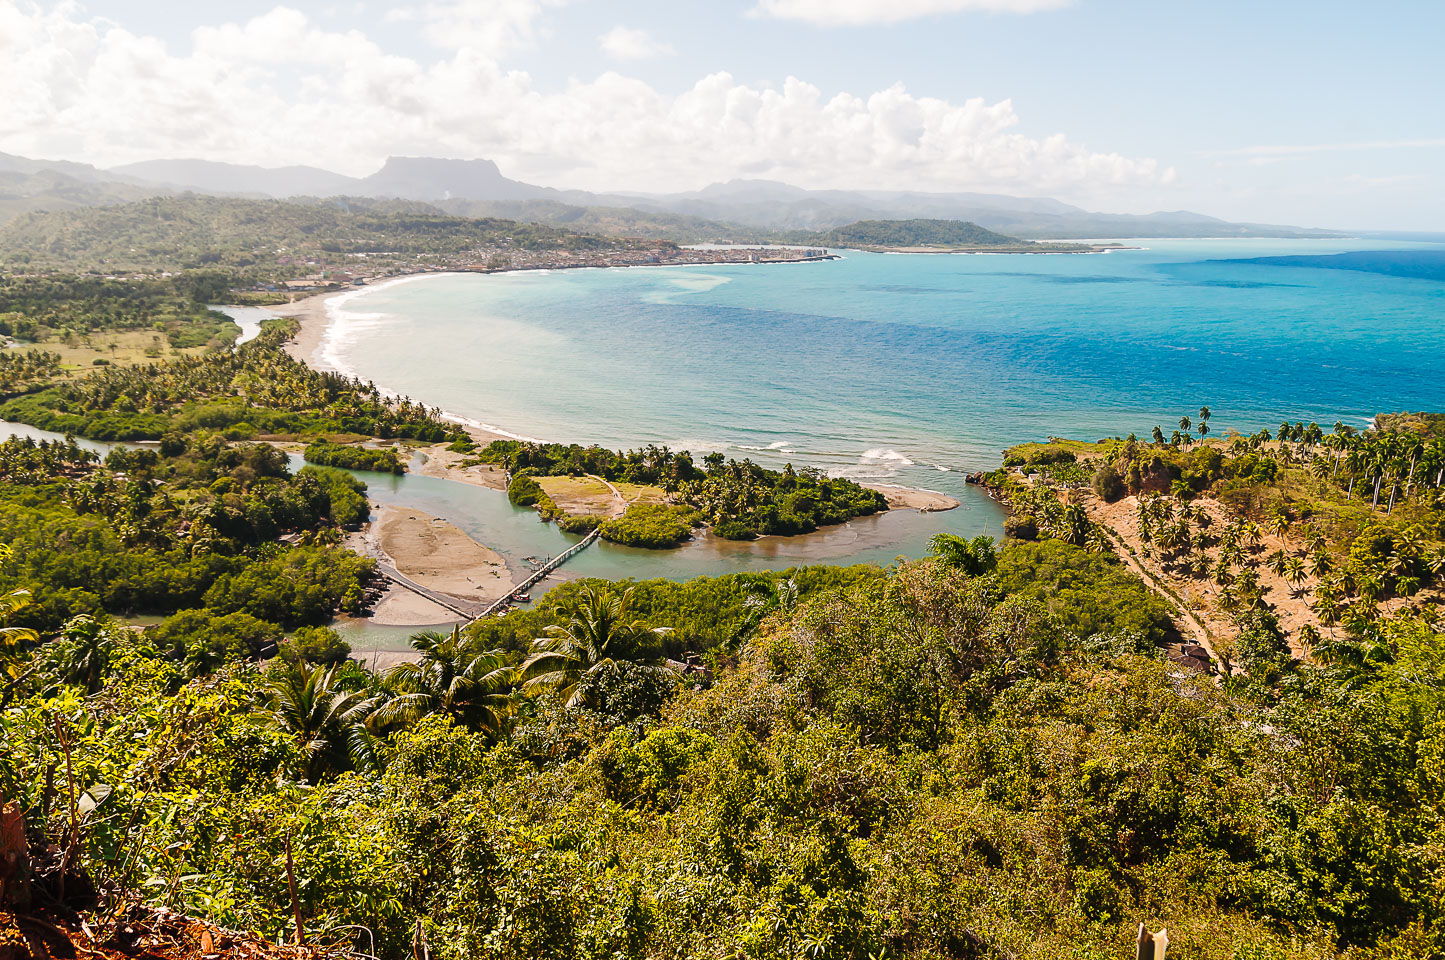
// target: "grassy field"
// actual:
[[641, 493], [1041, 452], [580, 496], [123, 348]]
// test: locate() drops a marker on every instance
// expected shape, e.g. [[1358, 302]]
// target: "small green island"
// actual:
[[664, 495], [937, 236]]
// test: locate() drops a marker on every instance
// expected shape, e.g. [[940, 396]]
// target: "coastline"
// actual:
[[311, 313], [428, 550], [439, 462]]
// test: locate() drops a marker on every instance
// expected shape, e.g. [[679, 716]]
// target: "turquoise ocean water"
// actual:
[[905, 369], [909, 369]]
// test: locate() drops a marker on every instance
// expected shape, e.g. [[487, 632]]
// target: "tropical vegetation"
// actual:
[[739, 500]]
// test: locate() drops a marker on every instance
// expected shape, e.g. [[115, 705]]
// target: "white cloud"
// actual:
[[492, 28], [278, 89], [852, 13], [625, 43]]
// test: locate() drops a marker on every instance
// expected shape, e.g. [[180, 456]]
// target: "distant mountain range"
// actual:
[[736, 210]]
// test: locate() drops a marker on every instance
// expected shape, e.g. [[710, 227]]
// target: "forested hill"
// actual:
[[932, 236], [185, 232], [914, 233]]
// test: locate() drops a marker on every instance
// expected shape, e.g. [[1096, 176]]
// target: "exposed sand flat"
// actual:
[[403, 608], [383, 659], [439, 556], [438, 461], [909, 498]]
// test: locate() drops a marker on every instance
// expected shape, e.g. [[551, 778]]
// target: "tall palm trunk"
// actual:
[[1376, 501]]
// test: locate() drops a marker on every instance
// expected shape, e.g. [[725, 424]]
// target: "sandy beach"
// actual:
[[399, 607], [911, 498], [436, 555], [311, 312]]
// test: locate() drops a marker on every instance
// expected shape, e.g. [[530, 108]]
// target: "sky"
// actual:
[[1316, 113]]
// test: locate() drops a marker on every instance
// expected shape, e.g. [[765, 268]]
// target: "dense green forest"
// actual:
[[741, 501], [190, 529], [914, 233], [258, 389], [920, 761], [997, 751], [258, 238]]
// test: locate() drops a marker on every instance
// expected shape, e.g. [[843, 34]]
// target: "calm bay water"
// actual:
[[908, 369]]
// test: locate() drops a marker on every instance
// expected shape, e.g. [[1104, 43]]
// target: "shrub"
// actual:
[[206, 641], [524, 491], [651, 525], [1020, 526], [328, 454], [315, 645], [735, 530], [1090, 593], [1108, 485]]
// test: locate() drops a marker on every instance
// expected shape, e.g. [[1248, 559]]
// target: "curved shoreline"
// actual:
[[317, 320]]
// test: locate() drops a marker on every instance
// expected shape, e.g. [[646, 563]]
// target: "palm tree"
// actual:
[[12, 639], [473, 688], [1355, 659], [974, 557], [599, 638], [1295, 571], [1074, 525], [1277, 562], [1436, 563], [1309, 636], [1251, 533], [764, 599], [84, 648], [327, 721]]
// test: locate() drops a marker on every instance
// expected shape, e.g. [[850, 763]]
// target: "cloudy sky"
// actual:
[[1318, 113]]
